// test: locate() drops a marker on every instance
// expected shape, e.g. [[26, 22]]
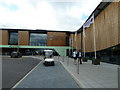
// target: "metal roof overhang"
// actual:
[[33, 31]]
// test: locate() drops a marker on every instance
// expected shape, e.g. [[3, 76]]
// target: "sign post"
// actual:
[[118, 77]]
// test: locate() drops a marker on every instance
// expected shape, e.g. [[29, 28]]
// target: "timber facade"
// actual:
[[107, 33]]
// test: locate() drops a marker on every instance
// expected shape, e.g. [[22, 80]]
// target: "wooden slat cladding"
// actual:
[[72, 38], [88, 40], [106, 29], [78, 40], [4, 39], [76, 44], [23, 37], [111, 22], [56, 38]]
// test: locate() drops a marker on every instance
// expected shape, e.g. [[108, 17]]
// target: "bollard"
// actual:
[[68, 61], [78, 66], [58, 57], [63, 58], [119, 77]]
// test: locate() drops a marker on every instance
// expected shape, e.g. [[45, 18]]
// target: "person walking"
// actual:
[[80, 56], [75, 56]]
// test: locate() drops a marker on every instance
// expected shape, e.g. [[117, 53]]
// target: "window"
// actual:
[[13, 39], [38, 39]]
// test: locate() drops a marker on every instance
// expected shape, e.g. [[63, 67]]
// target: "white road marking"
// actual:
[[26, 75]]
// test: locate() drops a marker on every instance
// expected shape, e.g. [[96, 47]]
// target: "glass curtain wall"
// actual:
[[109, 55], [13, 38], [38, 39]]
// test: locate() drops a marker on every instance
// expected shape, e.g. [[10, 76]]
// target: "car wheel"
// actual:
[[53, 64], [13, 56]]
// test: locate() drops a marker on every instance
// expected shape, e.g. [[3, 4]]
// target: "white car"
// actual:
[[48, 59]]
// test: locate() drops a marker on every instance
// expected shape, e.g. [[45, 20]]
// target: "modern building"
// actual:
[[31, 42], [102, 37]]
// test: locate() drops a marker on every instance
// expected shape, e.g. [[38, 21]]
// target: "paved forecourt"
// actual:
[[92, 76]]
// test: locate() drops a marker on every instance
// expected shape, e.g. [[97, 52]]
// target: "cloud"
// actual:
[[41, 14], [72, 15]]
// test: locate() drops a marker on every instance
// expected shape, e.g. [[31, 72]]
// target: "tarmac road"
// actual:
[[13, 69], [49, 77]]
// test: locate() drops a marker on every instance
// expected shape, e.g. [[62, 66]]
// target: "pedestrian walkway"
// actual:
[[92, 76]]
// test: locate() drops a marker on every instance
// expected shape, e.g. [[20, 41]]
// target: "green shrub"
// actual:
[[85, 59], [96, 61]]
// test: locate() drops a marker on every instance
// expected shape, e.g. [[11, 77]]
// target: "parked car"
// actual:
[[16, 54], [48, 59]]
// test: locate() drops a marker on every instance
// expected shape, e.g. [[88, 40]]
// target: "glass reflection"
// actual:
[[13, 40], [37, 39]]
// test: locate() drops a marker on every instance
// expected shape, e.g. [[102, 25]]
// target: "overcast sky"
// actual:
[[68, 15]]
